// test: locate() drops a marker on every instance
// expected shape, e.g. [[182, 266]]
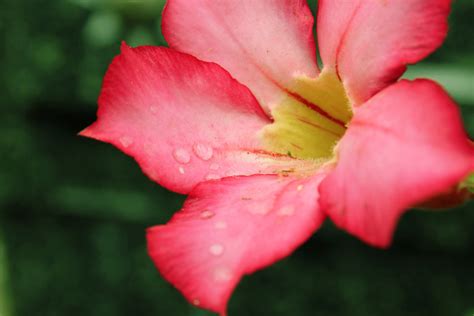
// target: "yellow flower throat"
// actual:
[[310, 119]]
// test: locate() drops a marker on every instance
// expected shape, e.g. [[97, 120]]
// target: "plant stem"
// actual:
[[5, 308]]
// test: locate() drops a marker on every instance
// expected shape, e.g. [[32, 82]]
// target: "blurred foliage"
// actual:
[[73, 211], [5, 299]]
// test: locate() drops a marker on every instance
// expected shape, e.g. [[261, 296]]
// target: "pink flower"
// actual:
[[266, 156]]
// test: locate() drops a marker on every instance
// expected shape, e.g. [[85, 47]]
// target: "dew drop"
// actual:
[[231, 173], [212, 177], [216, 249], [207, 214], [300, 187], [286, 211], [126, 141], [220, 225], [181, 170], [222, 274], [196, 302], [203, 151], [181, 155], [258, 211], [153, 109], [214, 166], [148, 148]]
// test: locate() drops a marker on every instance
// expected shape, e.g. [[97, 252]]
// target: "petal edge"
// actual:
[[394, 156], [232, 227]]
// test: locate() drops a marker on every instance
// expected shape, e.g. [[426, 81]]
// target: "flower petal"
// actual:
[[182, 119], [231, 227], [404, 146], [370, 43], [263, 44]]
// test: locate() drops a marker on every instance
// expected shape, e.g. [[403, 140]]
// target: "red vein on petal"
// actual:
[[343, 39], [296, 146], [314, 107], [318, 127]]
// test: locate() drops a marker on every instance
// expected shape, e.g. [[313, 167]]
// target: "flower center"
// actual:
[[310, 120]]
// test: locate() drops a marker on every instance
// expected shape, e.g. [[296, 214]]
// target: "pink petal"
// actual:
[[263, 43], [232, 227], [370, 43], [182, 119], [404, 146]]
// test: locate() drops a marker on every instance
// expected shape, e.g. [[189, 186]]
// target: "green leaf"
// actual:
[[457, 80], [468, 183]]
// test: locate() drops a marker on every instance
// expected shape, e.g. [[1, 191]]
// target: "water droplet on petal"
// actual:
[[258, 211], [196, 302], [203, 151], [231, 173], [126, 141], [207, 214], [216, 249], [300, 187], [181, 170], [153, 109], [148, 148], [222, 274], [214, 166], [286, 211], [212, 177], [220, 225], [182, 156]]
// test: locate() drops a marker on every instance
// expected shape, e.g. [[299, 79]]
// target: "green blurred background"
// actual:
[[73, 211]]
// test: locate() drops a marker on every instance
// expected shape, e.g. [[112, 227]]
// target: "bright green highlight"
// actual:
[[468, 183], [301, 132]]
